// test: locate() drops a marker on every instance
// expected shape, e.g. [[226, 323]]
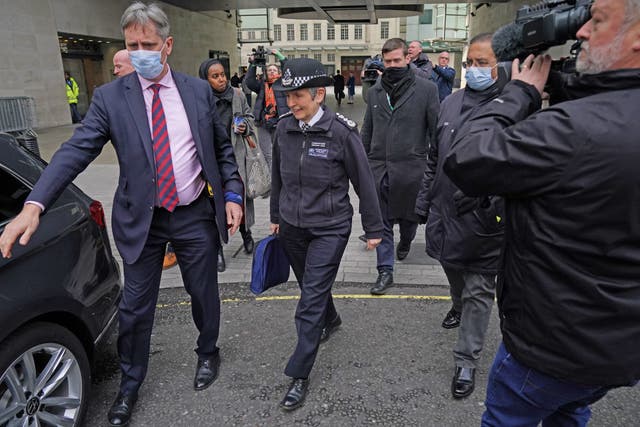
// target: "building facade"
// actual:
[[341, 47]]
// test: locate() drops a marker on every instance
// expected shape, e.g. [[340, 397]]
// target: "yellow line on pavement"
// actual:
[[338, 296]]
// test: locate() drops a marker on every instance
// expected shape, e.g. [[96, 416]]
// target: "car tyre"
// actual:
[[45, 376]]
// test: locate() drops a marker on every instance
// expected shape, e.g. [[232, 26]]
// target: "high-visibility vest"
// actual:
[[72, 91]]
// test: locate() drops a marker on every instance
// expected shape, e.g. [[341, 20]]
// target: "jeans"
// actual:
[[519, 396], [408, 229]]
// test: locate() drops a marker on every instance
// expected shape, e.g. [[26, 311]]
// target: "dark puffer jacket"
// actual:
[[470, 241], [569, 295]]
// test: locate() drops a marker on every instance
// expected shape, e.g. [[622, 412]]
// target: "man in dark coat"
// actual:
[[569, 292], [399, 125], [338, 87], [444, 75], [464, 233], [420, 63]]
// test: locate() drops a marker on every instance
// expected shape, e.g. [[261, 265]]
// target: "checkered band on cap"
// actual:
[[288, 81]]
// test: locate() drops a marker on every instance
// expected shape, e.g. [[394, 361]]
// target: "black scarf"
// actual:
[[396, 81]]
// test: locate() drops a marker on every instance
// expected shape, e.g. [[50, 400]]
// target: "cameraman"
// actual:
[[569, 293], [270, 105]]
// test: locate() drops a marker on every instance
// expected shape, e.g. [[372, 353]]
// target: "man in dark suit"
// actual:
[[178, 182]]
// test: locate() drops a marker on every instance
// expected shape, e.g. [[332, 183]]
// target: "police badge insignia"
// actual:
[[286, 78]]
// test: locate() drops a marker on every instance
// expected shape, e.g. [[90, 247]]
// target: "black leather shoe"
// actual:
[[402, 250], [206, 372], [330, 328], [120, 411], [452, 319], [463, 382], [383, 283], [222, 266], [295, 395], [247, 242]]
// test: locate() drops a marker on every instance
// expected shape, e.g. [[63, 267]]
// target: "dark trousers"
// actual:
[[521, 396], [314, 254], [194, 235], [472, 295], [75, 114], [384, 251]]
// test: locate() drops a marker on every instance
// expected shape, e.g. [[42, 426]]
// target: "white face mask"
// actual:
[[479, 78], [148, 63]]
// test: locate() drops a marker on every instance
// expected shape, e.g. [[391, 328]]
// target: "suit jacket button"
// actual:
[[150, 208]]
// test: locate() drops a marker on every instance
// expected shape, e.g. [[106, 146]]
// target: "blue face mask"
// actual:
[[148, 63], [479, 78]]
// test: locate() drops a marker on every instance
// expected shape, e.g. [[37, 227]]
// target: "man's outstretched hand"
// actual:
[[22, 226]]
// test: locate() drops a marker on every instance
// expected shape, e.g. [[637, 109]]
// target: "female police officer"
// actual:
[[315, 154]]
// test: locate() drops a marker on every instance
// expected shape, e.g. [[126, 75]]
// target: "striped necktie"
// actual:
[[166, 183]]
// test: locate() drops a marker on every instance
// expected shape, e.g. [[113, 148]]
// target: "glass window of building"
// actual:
[[290, 32], [344, 32], [277, 32], [357, 32], [426, 17], [384, 30], [317, 57], [304, 55], [317, 31], [331, 32], [263, 35], [251, 35], [291, 56], [331, 57], [304, 33]]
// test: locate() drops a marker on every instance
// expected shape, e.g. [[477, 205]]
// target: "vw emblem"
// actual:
[[32, 406]]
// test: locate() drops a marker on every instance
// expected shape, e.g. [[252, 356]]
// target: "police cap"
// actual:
[[302, 73]]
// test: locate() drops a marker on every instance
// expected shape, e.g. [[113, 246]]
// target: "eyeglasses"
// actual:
[[478, 64], [442, 57]]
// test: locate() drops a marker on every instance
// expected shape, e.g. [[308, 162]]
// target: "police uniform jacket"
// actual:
[[311, 173], [569, 297]]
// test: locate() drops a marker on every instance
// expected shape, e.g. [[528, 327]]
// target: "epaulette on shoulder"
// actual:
[[346, 121], [287, 114]]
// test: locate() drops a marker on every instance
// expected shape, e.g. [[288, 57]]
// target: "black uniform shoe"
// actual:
[[247, 242], [222, 266], [295, 395], [452, 319], [206, 372], [383, 283], [330, 328], [463, 382], [402, 250], [120, 411]]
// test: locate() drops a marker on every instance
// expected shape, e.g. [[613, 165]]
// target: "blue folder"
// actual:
[[270, 264]]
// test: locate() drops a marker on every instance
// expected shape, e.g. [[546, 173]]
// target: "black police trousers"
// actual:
[[314, 254]]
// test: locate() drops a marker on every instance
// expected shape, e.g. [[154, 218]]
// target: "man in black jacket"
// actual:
[[569, 293], [464, 233]]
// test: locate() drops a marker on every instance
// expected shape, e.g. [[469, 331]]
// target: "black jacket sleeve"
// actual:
[[276, 182], [359, 173], [505, 150]]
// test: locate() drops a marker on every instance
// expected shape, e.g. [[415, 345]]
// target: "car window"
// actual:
[[13, 194]]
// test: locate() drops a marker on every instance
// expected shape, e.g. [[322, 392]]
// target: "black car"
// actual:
[[58, 299]]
